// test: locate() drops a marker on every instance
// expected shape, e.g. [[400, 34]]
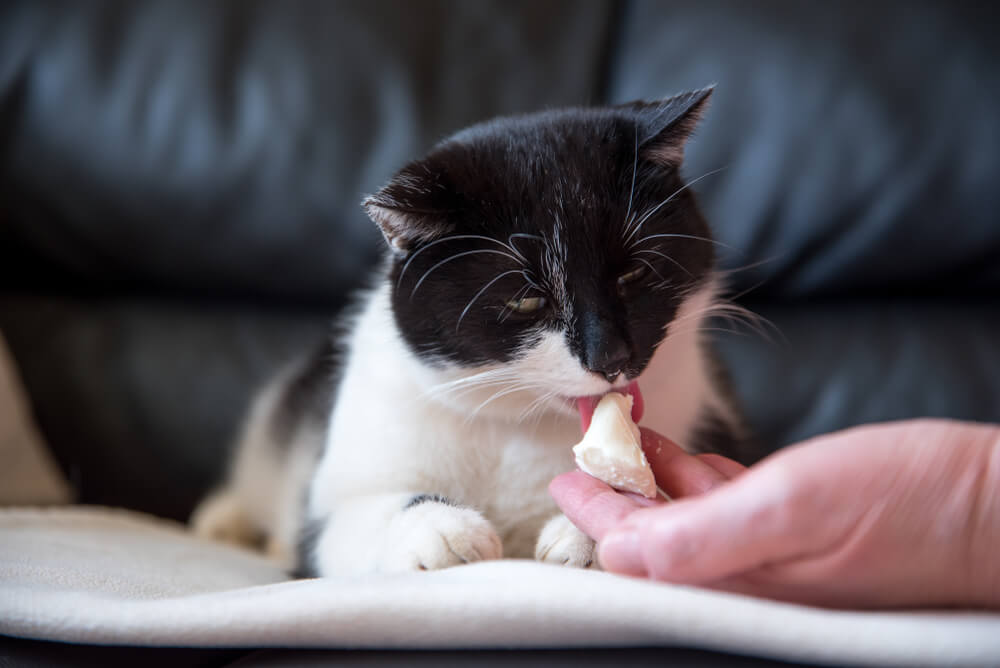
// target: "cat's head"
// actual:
[[552, 250]]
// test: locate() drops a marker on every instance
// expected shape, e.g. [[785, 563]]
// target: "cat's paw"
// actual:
[[222, 517], [433, 534], [560, 542]]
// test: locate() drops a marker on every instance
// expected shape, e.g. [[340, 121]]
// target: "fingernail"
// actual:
[[619, 553]]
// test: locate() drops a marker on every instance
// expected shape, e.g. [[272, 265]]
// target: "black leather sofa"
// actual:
[[180, 187]]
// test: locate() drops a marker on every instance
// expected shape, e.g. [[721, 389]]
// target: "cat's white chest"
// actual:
[[517, 499], [500, 467]]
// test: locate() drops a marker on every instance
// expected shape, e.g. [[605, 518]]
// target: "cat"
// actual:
[[532, 260]]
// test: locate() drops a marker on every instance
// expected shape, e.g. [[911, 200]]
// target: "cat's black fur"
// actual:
[[574, 178], [308, 395]]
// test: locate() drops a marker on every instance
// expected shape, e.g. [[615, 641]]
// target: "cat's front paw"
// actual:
[[432, 533], [560, 542]]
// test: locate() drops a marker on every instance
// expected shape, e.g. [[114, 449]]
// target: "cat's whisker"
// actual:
[[456, 237], [629, 223], [692, 328], [728, 312], [526, 235], [534, 419], [650, 266], [520, 387], [455, 257], [701, 327], [481, 379], [521, 235], [486, 374], [725, 273], [663, 285], [466, 383], [459, 392], [481, 291], [507, 310], [656, 208], [665, 257], [527, 277], [667, 235], [554, 398], [758, 323], [635, 165], [551, 398], [536, 405], [698, 315]]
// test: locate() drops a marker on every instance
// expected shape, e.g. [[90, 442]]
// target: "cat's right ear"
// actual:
[[409, 210], [401, 229], [666, 125]]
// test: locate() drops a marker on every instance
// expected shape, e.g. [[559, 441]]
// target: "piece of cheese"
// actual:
[[611, 451]]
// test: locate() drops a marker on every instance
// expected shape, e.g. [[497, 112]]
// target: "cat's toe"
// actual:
[[560, 542], [438, 535]]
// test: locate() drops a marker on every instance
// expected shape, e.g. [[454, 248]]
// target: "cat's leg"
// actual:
[[560, 542], [240, 510], [392, 533], [259, 504]]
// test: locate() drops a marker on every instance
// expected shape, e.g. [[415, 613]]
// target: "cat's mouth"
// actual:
[[585, 405]]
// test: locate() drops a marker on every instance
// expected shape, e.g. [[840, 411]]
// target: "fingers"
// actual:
[[678, 473], [724, 465], [700, 539], [639, 538], [590, 504]]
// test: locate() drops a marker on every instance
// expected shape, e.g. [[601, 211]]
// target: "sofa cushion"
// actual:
[[858, 143], [222, 149]]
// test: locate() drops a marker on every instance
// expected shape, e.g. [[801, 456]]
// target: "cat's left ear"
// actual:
[[408, 210], [665, 125]]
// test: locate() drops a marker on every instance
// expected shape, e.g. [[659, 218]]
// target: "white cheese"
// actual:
[[611, 451]]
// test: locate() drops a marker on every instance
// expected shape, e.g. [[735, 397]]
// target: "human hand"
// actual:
[[897, 514]]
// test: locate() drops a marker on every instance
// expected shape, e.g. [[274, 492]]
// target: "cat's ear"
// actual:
[[409, 209], [665, 125]]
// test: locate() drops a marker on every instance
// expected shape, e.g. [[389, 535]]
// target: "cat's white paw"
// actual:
[[222, 517], [433, 535], [560, 542]]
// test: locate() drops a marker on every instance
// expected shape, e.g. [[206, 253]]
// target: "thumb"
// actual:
[[736, 527]]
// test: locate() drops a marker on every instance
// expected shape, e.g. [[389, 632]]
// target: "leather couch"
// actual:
[[180, 187]]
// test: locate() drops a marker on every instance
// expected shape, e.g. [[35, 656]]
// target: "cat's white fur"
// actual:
[[401, 428]]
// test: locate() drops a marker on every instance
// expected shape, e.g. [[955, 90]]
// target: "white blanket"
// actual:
[[104, 576]]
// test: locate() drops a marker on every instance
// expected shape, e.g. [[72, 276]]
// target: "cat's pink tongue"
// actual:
[[586, 405]]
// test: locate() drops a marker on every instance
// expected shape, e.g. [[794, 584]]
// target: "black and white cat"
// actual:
[[535, 260]]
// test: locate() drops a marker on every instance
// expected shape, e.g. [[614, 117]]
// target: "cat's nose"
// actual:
[[609, 358]]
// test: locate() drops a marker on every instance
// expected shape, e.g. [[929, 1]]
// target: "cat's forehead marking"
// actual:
[[554, 257]]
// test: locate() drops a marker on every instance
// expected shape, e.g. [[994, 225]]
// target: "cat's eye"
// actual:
[[632, 276], [526, 304]]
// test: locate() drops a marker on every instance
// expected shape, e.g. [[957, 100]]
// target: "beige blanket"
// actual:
[[97, 575]]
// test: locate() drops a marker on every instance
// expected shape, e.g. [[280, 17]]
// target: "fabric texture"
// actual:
[[101, 576]]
